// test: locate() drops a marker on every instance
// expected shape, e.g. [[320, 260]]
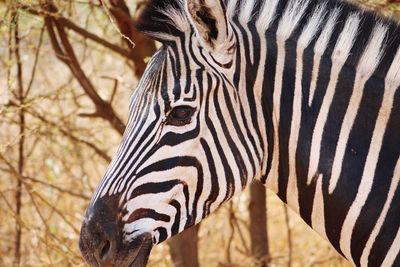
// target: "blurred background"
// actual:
[[67, 69]]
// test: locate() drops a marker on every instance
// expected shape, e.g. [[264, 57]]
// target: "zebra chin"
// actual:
[[102, 241]]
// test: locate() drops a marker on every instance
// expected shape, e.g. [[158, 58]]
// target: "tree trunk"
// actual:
[[21, 144], [183, 248], [258, 223]]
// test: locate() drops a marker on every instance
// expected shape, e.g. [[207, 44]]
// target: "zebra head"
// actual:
[[188, 146]]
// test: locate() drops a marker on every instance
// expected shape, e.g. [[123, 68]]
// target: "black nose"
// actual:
[[99, 234]]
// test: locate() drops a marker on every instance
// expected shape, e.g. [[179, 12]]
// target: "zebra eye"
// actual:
[[180, 116]]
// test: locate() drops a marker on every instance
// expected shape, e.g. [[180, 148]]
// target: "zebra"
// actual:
[[302, 95]]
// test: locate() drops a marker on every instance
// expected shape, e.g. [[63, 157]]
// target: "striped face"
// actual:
[[299, 93], [169, 170], [183, 153]]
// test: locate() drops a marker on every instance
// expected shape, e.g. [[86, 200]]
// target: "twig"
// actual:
[[36, 60], [79, 30], [127, 38], [23, 179], [289, 236], [66, 191], [48, 231], [59, 213], [125, 22], [68, 134], [44, 223], [115, 87], [69, 24], [241, 236], [232, 233]]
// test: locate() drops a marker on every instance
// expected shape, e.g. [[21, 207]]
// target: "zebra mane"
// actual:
[[168, 17], [166, 20], [163, 19]]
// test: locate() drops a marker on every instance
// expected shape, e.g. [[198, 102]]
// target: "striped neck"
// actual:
[[322, 78], [274, 35]]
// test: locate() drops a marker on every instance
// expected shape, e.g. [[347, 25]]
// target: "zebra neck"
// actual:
[[283, 46], [322, 82]]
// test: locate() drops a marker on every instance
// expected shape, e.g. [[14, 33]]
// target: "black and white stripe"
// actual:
[[301, 94]]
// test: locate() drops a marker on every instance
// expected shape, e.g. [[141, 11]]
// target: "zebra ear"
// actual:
[[210, 22]]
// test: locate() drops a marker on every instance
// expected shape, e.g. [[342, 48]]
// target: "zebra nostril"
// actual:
[[105, 251], [100, 237]]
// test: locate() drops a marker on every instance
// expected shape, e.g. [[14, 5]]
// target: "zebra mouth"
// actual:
[[138, 254], [134, 254]]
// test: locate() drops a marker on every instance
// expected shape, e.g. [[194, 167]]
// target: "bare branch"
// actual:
[[126, 22], [23, 179], [21, 144], [57, 188], [36, 60], [59, 213], [86, 34], [79, 30], [67, 55], [74, 138], [114, 91], [120, 12]]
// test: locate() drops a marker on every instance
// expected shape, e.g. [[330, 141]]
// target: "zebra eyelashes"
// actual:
[[180, 115]]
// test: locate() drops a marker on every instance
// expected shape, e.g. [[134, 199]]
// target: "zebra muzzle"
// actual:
[[101, 240]]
